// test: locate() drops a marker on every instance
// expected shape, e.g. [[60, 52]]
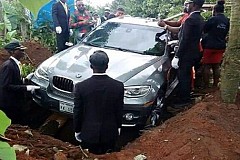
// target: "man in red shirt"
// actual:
[[178, 23], [80, 21]]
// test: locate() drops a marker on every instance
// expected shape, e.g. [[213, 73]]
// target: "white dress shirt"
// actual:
[[17, 62]]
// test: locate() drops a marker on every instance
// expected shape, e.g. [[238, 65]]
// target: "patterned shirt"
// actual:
[[80, 21]]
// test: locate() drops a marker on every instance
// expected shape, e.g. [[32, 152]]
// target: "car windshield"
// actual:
[[128, 37]]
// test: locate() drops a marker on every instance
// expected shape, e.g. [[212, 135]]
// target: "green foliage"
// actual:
[[206, 15], [149, 8], [6, 152], [16, 13], [8, 37], [5, 122], [27, 69], [13, 15], [45, 36], [153, 8], [34, 5]]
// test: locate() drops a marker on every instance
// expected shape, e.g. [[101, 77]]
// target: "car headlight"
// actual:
[[42, 73], [136, 91]]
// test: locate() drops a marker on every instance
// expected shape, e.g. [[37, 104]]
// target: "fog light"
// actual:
[[128, 116]]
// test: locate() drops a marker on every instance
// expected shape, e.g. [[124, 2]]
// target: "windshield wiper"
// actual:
[[91, 44], [122, 49]]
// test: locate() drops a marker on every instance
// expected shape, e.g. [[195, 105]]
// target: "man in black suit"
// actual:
[[188, 52], [11, 84], [98, 107], [61, 16]]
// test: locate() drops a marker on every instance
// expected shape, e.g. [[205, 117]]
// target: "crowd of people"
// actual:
[[200, 43], [78, 23], [98, 100]]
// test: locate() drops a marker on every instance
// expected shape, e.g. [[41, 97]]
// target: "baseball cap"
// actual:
[[99, 59], [14, 45]]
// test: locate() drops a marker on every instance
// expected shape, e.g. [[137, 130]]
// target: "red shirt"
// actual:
[[80, 21], [183, 18]]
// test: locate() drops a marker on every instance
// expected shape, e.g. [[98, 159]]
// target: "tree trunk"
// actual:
[[230, 74]]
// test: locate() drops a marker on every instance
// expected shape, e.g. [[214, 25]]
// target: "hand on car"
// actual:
[[58, 30], [32, 88], [77, 136], [175, 62]]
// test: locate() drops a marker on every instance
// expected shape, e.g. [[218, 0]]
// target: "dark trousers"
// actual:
[[99, 148], [15, 114], [184, 78], [61, 40]]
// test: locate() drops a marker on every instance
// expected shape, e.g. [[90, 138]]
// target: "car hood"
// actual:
[[74, 63]]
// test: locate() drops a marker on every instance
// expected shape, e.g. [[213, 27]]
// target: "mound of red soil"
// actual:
[[35, 52], [208, 130], [41, 147]]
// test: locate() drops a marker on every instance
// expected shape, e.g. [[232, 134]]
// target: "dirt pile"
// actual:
[[36, 53], [209, 130], [38, 146]]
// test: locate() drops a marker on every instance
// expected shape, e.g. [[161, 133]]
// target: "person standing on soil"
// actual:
[[11, 84], [188, 52], [214, 43], [98, 105], [61, 16]]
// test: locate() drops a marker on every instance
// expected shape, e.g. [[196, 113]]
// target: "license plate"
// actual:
[[66, 107]]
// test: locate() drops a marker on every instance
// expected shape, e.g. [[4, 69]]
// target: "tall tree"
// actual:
[[230, 74]]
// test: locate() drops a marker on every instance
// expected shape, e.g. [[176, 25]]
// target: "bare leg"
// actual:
[[206, 74], [216, 74]]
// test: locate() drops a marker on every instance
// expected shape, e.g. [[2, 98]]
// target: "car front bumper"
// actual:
[[133, 114]]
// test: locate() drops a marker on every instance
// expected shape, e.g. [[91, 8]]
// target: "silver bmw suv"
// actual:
[[137, 57]]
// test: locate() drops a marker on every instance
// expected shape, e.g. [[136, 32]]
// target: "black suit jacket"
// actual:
[[189, 36], [98, 109], [216, 30], [11, 87], [60, 18]]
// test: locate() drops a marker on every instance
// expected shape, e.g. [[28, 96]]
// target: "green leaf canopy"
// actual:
[[33, 5], [5, 122], [6, 151]]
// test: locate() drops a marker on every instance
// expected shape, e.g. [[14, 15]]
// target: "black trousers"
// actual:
[[99, 148], [15, 113], [61, 40], [184, 78]]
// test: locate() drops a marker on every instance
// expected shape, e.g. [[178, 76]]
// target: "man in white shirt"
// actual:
[[11, 85]]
